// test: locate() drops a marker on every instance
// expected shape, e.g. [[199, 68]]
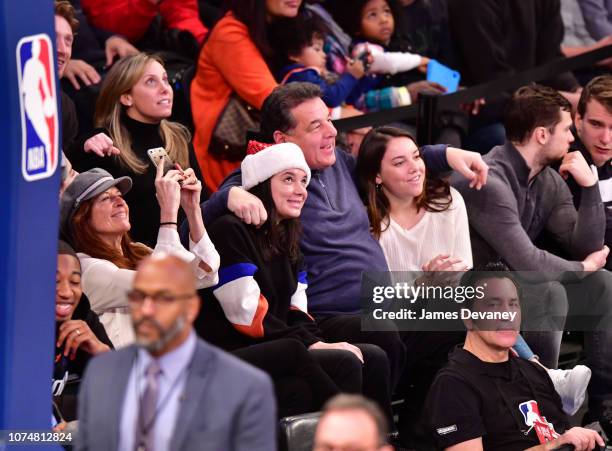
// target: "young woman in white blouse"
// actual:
[[95, 218], [419, 220], [421, 224]]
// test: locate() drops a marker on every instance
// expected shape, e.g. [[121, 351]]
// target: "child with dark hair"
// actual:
[[302, 43], [375, 26]]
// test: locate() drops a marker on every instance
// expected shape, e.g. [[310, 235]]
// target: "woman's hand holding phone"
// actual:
[[168, 192]]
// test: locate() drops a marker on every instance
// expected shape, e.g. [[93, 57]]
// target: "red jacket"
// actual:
[[131, 18], [229, 62]]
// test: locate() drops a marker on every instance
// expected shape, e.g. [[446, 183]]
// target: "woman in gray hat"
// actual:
[[95, 219]]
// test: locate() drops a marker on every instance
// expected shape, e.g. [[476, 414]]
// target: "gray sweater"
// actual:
[[510, 211]]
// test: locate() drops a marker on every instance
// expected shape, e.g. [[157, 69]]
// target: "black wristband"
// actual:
[[168, 223]]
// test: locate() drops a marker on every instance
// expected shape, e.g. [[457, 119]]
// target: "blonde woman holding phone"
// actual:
[[132, 114]]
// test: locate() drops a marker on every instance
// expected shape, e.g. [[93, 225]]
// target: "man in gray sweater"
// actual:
[[524, 197]]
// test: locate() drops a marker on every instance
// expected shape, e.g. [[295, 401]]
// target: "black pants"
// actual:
[[405, 352], [348, 328], [373, 374], [304, 380], [300, 383]]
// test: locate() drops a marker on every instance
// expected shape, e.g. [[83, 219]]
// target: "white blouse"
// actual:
[[106, 285], [445, 232]]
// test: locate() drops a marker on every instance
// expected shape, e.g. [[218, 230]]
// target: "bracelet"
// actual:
[[168, 223]]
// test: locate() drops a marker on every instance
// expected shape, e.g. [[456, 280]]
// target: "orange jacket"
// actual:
[[229, 62], [131, 18]]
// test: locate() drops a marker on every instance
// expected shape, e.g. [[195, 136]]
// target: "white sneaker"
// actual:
[[571, 386]]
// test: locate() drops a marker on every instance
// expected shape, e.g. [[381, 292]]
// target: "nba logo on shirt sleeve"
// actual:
[[38, 105]]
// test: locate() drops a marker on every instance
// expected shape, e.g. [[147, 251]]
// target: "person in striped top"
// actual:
[[261, 295]]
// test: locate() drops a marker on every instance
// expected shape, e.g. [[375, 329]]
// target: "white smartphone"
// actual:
[[155, 156]]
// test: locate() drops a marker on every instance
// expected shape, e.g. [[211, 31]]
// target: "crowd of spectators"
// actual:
[[203, 295]]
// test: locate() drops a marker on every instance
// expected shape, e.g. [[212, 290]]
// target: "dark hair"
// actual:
[[253, 14], [64, 9], [276, 109], [600, 89], [291, 36], [491, 270], [359, 402], [275, 237], [86, 240], [533, 106], [64, 248], [348, 14], [436, 196]]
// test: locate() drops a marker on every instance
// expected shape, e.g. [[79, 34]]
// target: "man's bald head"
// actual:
[[174, 267], [164, 303]]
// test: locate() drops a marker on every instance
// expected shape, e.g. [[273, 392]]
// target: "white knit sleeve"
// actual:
[[463, 246], [104, 283], [394, 62], [168, 242], [387, 62]]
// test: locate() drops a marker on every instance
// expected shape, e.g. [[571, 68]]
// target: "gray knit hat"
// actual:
[[87, 185]]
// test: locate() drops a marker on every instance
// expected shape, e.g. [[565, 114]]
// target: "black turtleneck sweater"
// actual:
[[144, 209]]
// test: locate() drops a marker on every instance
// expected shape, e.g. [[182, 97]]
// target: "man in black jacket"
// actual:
[[79, 334], [594, 129]]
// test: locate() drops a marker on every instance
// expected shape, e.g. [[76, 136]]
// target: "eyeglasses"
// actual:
[[137, 297]]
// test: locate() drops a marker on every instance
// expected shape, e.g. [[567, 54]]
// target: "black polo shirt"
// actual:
[[471, 398]]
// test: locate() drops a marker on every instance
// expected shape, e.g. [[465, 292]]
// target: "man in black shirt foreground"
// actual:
[[486, 397]]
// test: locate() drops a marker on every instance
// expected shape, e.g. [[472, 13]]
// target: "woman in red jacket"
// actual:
[[234, 59]]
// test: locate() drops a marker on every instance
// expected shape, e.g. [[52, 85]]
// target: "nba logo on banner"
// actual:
[[38, 104]]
